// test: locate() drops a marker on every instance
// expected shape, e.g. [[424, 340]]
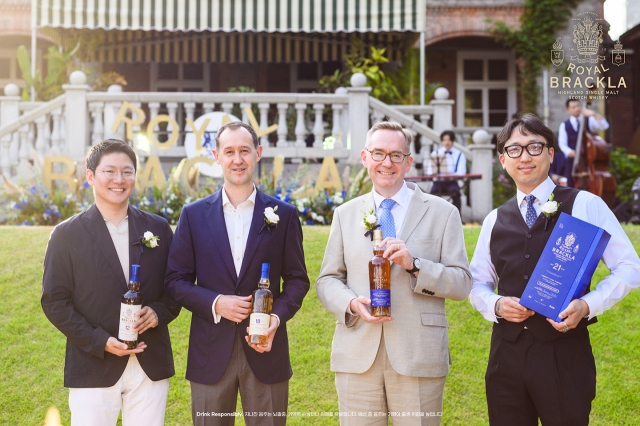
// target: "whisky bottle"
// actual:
[[379, 279], [131, 304], [261, 304]]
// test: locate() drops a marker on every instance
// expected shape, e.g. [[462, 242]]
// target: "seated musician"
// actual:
[[568, 131], [455, 163]]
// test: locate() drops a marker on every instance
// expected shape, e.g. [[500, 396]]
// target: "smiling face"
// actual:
[[237, 156], [387, 177], [114, 193], [527, 171]]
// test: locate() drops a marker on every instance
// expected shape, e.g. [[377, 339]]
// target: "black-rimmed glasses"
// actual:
[[534, 149], [380, 156]]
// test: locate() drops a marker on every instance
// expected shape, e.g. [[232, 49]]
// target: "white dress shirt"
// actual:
[[594, 125], [238, 222], [399, 209], [120, 237], [619, 255], [456, 162]]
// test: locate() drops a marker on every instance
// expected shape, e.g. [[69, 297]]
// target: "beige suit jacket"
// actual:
[[417, 338]]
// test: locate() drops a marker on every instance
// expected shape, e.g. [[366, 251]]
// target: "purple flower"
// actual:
[[26, 223], [86, 185], [45, 195], [47, 211], [17, 206], [33, 190], [310, 222]]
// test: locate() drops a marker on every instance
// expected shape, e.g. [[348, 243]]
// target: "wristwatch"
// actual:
[[416, 266]]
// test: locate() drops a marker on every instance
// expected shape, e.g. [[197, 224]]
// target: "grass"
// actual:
[[32, 359]]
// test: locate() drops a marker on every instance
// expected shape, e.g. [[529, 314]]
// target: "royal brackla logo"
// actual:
[[617, 54]]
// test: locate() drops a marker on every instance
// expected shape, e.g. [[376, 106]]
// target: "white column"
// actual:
[[77, 129], [336, 131], [442, 110], [358, 115], [301, 130], [318, 126], [9, 112], [282, 125], [264, 122], [481, 191], [208, 107]]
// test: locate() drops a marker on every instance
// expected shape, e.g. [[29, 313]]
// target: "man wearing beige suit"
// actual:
[[397, 364]]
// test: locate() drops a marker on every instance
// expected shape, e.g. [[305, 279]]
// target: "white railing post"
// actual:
[[172, 108], [264, 123], [111, 110], [301, 130], [442, 110], [318, 126], [77, 131], [243, 106], [358, 115], [9, 111], [336, 131], [41, 143], [227, 107], [207, 107], [481, 190], [23, 154], [56, 117], [98, 126], [282, 125]]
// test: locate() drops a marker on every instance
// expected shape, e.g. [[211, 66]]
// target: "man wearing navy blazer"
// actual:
[[86, 270], [214, 266]]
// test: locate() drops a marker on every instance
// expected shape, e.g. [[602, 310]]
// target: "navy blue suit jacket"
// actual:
[[201, 267]]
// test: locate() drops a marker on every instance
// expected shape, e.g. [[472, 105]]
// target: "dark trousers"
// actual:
[[448, 188], [528, 379], [261, 404]]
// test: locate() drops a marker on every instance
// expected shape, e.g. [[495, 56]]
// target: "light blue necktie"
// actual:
[[531, 212], [387, 223]]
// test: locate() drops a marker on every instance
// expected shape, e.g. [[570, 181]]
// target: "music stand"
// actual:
[[438, 163]]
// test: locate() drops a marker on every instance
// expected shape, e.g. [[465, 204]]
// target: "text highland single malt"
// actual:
[[130, 306], [261, 305], [379, 279]]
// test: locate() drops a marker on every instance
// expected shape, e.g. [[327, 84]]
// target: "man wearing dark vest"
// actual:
[[568, 131], [538, 368], [455, 163]]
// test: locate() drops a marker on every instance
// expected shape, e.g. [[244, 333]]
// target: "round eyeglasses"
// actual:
[[111, 174], [380, 156], [534, 149]]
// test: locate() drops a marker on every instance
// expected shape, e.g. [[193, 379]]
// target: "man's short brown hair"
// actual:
[[235, 125], [388, 125], [527, 124], [105, 147]]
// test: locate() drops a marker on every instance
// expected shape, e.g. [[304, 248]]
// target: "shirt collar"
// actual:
[[226, 202], [402, 197], [541, 192]]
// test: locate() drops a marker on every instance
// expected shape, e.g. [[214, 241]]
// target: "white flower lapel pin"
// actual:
[[150, 240], [369, 223], [271, 219], [549, 209]]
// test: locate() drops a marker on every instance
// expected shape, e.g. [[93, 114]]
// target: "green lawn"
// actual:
[[33, 355]]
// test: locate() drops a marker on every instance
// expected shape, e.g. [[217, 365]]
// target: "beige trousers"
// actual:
[[368, 399], [141, 400]]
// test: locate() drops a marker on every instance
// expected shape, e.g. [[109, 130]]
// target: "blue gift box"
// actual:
[[566, 266]]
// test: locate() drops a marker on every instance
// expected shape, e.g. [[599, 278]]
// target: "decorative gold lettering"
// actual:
[[69, 175], [154, 168], [174, 131], [130, 122]]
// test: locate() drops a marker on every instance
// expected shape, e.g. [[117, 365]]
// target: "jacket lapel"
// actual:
[[137, 227], [254, 239], [218, 228], [418, 207], [94, 223]]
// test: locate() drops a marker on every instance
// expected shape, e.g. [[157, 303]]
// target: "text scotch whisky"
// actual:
[[261, 304], [130, 306], [379, 279]]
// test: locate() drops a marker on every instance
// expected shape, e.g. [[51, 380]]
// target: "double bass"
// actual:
[[590, 170]]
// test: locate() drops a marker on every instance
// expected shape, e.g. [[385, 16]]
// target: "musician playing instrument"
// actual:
[[568, 131]]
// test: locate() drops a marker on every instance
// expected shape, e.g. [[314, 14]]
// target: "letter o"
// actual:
[[174, 131]]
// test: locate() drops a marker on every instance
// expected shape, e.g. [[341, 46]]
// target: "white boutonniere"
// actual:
[[549, 209], [271, 219], [369, 222], [150, 240]]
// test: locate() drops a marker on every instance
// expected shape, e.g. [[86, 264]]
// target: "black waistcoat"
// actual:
[[572, 135], [515, 250]]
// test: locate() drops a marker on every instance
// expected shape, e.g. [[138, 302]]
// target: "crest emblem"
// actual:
[[569, 240], [557, 54], [587, 35], [617, 54]]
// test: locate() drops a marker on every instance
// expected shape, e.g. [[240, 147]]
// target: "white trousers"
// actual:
[[141, 400]]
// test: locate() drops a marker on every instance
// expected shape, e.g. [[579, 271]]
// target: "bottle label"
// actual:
[[380, 297], [258, 323], [127, 319]]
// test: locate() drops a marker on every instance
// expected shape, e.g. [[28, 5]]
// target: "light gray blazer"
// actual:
[[417, 338]]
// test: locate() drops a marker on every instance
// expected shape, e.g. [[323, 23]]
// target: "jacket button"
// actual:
[[526, 256], [238, 293], [526, 277], [528, 235]]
